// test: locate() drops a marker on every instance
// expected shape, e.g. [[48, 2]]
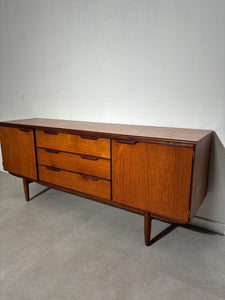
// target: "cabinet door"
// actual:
[[18, 151], [152, 177]]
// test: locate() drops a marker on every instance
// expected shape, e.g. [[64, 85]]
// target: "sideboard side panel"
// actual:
[[18, 151], [200, 174], [153, 177]]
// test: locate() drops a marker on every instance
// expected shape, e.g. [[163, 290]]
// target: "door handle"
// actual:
[[50, 132], [25, 129], [130, 142], [89, 157], [89, 177], [89, 137], [53, 168], [52, 151]]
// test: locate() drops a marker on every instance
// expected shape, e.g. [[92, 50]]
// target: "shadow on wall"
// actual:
[[213, 208]]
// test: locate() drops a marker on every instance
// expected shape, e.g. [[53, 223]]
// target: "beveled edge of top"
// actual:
[[112, 130]]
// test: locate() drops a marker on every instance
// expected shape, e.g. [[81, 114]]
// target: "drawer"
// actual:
[[79, 163], [78, 182], [74, 143]]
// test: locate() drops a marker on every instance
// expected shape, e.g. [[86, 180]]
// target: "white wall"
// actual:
[[153, 62]]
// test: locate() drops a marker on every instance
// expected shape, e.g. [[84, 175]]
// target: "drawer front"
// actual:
[[79, 163], [99, 188], [73, 143]]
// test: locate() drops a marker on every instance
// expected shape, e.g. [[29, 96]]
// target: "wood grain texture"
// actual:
[[113, 130], [74, 143], [200, 174], [77, 163], [100, 188], [154, 178], [18, 151]]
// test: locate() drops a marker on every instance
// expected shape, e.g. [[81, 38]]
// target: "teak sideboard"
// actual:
[[159, 172]]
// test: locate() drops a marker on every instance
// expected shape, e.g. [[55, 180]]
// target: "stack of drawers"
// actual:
[[78, 162]]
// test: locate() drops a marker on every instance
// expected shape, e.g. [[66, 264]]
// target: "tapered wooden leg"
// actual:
[[26, 188], [148, 220]]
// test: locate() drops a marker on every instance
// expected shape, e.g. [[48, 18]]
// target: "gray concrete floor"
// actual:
[[61, 246]]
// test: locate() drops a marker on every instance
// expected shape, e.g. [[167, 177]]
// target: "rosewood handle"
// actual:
[[50, 132], [89, 157], [52, 151], [130, 142], [25, 129], [89, 137], [89, 177], [53, 168]]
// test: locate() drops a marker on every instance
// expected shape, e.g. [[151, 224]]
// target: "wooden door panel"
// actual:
[[152, 177], [18, 151]]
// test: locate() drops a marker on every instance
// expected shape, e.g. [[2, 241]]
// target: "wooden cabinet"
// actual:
[[18, 151], [159, 172], [153, 177]]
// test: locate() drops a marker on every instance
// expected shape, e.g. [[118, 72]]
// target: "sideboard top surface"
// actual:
[[110, 129]]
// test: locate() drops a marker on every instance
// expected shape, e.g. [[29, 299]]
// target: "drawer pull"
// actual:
[[25, 129], [52, 151], [53, 168], [89, 157], [130, 142], [50, 132], [89, 177], [89, 137]]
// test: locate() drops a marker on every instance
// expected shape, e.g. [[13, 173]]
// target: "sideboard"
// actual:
[[156, 171]]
